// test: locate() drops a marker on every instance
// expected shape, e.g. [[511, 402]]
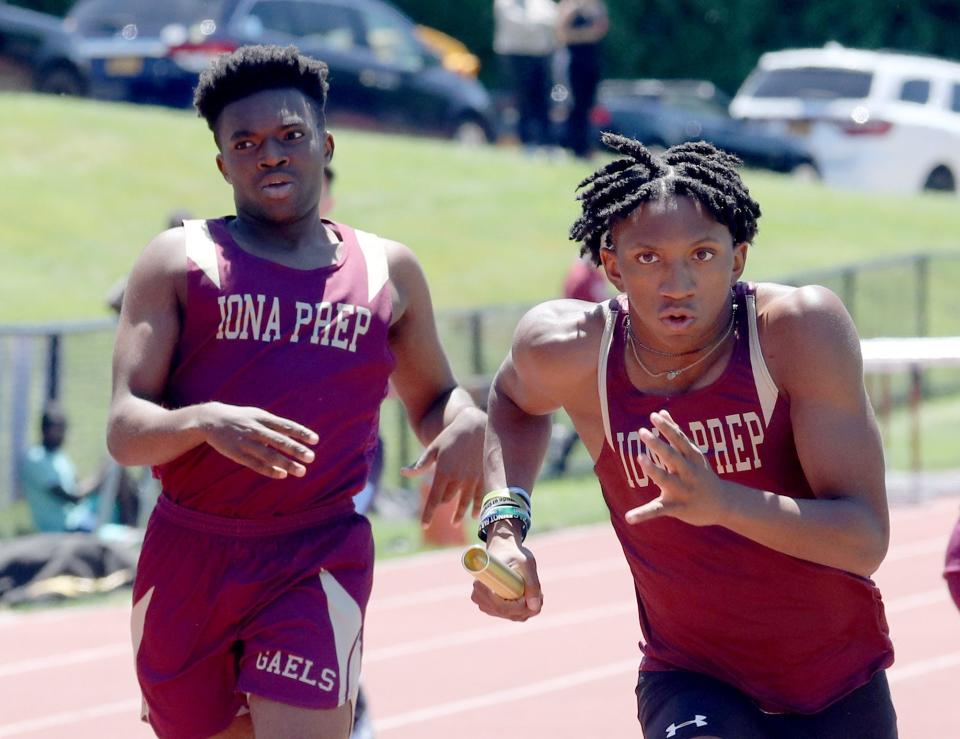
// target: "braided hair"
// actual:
[[695, 169], [253, 69]]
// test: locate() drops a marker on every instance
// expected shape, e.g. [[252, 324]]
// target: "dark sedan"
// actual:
[[663, 113], [382, 76]]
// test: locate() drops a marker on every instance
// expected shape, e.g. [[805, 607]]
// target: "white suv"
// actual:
[[872, 119]]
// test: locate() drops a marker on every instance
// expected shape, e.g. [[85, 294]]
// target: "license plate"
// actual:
[[799, 128], [124, 66]]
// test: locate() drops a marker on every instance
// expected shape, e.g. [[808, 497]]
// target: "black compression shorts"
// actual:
[[682, 705]]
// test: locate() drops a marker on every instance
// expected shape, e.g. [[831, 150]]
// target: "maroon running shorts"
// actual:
[[225, 607]]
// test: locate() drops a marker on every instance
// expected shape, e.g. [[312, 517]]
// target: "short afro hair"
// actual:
[[696, 170], [253, 69]]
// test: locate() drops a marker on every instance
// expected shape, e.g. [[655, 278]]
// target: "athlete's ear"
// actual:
[[608, 258], [739, 261], [328, 147], [222, 169]]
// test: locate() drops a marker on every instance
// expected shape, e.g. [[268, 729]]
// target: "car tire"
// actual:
[[470, 132], [940, 179], [61, 80]]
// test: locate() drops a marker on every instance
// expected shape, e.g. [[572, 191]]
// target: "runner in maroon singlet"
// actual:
[[736, 450], [252, 355]]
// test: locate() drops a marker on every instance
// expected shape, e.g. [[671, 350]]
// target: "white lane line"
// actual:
[[67, 658], [498, 697], [500, 630], [936, 545], [917, 600], [923, 667], [497, 630], [68, 718], [894, 675], [462, 589]]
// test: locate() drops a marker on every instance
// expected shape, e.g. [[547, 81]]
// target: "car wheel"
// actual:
[[470, 132], [61, 81], [940, 179], [805, 172]]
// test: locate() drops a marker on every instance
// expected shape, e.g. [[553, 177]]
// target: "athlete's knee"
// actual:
[[276, 720], [240, 728]]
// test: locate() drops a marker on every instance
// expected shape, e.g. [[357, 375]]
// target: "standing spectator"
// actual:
[[581, 26], [49, 480], [524, 37]]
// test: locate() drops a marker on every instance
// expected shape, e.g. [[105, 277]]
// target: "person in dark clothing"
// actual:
[[581, 27]]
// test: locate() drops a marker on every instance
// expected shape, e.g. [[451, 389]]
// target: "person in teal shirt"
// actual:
[[48, 479]]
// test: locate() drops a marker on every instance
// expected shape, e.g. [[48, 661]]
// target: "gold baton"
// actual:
[[493, 573]]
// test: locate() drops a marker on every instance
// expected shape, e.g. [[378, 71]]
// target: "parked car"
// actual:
[[873, 120], [382, 75], [663, 113], [28, 57]]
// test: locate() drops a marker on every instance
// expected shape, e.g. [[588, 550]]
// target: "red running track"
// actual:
[[435, 667]]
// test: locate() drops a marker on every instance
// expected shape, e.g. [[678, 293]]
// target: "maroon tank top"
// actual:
[[794, 635], [308, 345]]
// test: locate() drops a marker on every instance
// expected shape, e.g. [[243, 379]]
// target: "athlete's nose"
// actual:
[[677, 282], [272, 155]]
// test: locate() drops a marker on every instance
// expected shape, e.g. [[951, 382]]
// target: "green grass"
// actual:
[[88, 184]]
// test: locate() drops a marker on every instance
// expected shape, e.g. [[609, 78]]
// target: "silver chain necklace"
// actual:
[[674, 373]]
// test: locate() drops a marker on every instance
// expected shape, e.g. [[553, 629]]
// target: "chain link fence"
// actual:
[[913, 295]]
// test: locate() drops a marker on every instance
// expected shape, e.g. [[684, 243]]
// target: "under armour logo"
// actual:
[[697, 721]]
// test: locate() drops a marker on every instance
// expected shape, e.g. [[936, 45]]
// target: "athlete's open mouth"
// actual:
[[276, 186]]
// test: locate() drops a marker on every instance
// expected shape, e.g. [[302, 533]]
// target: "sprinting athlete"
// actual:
[[736, 450], [252, 355]]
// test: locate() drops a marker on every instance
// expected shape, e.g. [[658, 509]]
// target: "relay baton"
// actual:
[[493, 573]]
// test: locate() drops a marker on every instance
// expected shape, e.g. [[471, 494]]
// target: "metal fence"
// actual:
[[915, 295]]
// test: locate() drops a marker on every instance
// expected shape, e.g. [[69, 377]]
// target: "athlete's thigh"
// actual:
[[953, 583], [867, 713], [182, 631], [681, 705], [303, 647], [273, 720]]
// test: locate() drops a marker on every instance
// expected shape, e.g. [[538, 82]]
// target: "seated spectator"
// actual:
[[49, 481]]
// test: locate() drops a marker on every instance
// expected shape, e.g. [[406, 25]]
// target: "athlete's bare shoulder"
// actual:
[[408, 283], [805, 331], [159, 271], [165, 253], [558, 342]]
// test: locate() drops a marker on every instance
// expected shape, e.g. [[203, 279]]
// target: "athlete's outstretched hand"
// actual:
[[268, 444], [456, 458], [518, 558], [689, 489]]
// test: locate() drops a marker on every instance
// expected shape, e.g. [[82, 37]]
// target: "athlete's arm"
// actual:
[[442, 413], [140, 430], [553, 358], [813, 353]]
